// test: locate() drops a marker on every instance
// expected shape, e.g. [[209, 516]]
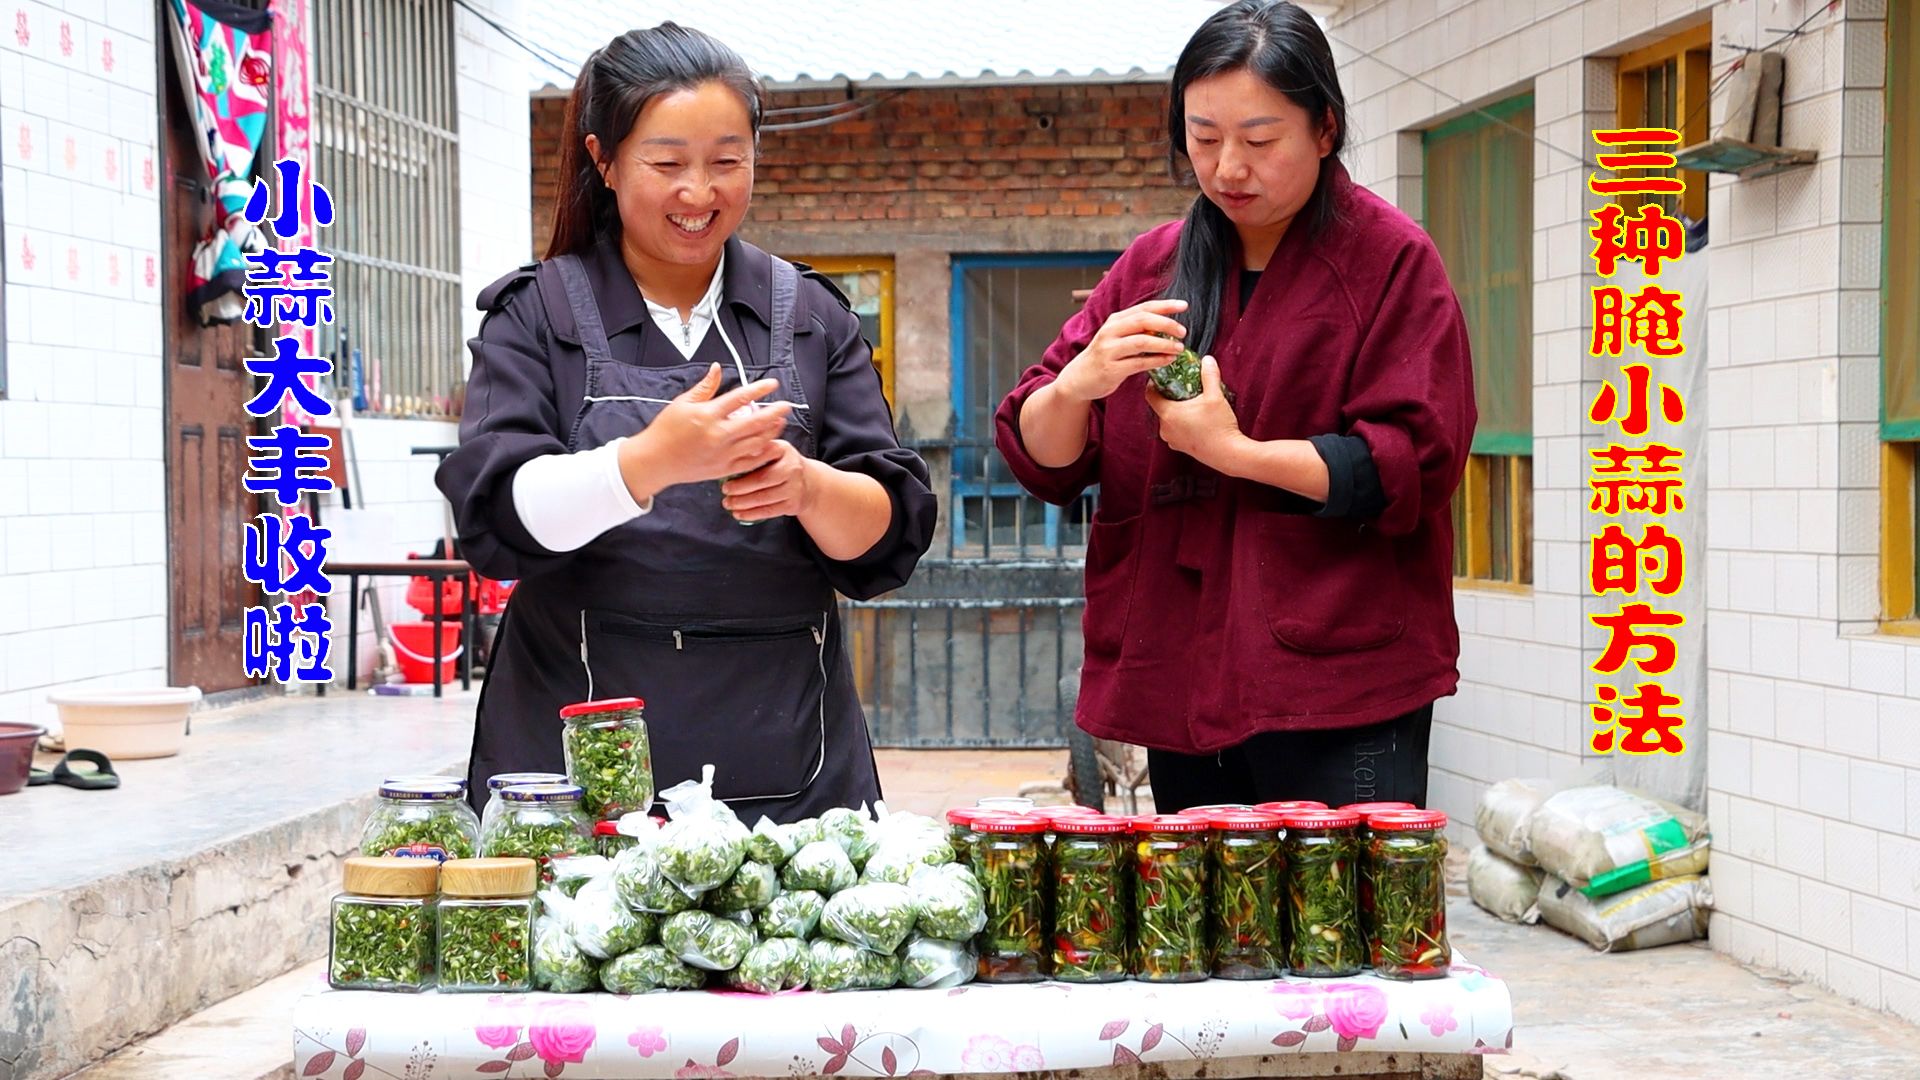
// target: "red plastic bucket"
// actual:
[[415, 649]]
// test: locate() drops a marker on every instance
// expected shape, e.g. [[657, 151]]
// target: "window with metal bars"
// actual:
[[386, 144]]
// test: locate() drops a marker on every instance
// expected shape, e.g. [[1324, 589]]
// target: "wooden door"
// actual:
[[206, 429]]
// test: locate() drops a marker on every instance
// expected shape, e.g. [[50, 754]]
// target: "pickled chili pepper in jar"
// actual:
[[1170, 898], [961, 833], [1366, 838], [1010, 862], [1249, 886], [1092, 880], [607, 753], [1323, 893], [1407, 917]]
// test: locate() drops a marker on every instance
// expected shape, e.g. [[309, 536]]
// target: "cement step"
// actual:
[[202, 876], [246, 1037]]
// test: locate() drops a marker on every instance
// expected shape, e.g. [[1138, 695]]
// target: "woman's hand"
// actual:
[[1127, 344], [1203, 428], [701, 437], [781, 488]]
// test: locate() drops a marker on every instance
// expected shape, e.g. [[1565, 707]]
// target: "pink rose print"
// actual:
[[991, 1053], [1356, 1010], [22, 32], [501, 1019], [146, 173], [153, 273], [562, 1029], [1296, 1002], [66, 39], [1439, 1018], [648, 1040], [27, 258], [695, 1071]]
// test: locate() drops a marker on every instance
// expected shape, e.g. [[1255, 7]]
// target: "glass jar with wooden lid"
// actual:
[[380, 935], [486, 924]]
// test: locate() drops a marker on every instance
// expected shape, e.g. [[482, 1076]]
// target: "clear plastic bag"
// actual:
[[647, 969], [898, 857], [932, 964], [643, 886], [836, 965], [704, 843], [604, 926], [876, 917], [558, 964], [821, 866], [791, 914], [706, 940], [806, 831], [950, 901], [752, 887], [772, 844], [770, 967], [572, 873], [852, 830]]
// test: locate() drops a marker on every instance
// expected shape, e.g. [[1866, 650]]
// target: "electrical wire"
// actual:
[[551, 59]]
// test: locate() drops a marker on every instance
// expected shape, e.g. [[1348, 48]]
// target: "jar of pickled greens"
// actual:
[[542, 822], [1092, 878], [380, 936], [1406, 859], [1010, 862], [961, 833], [1323, 936], [1249, 873], [1288, 806], [1366, 841], [607, 754], [485, 924], [1170, 898], [421, 819], [1056, 814], [497, 784]]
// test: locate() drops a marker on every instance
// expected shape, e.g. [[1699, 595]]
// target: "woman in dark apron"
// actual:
[[617, 385]]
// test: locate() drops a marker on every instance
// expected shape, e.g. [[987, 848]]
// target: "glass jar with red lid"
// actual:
[[1010, 862], [1323, 902], [608, 755], [1248, 867], [1092, 880], [1407, 897], [1288, 806], [1170, 898]]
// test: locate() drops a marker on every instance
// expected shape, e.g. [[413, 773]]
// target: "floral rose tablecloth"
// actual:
[[358, 1035]]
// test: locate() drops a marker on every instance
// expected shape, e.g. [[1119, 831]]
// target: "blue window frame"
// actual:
[[1006, 310]]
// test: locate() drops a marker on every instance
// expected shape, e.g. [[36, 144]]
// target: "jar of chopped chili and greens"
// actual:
[[1364, 809], [1057, 814], [1288, 806], [421, 819], [1170, 898], [497, 784], [381, 931], [485, 924], [1323, 893], [1092, 879], [1010, 862], [1407, 920], [1249, 874], [608, 755], [542, 822]]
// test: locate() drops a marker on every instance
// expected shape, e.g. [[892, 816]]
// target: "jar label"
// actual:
[[419, 850]]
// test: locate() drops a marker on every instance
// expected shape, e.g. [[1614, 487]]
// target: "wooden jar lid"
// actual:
[[489, 877], [388, 876]]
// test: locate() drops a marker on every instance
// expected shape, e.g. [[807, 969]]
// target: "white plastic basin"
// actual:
[[145, 723]]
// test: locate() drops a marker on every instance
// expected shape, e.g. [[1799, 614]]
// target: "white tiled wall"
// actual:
[[82, 516], [1814, 764], [83, 580]]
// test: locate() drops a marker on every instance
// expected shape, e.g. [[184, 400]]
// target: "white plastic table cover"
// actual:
[[969, 1030]]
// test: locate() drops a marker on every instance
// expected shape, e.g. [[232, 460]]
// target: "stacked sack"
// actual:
[[1618, 869], [838, 902]]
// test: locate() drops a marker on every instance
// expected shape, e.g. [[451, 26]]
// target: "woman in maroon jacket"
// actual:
[[1269, 575]]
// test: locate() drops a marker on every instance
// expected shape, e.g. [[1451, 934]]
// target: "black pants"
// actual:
[[1383, 762]]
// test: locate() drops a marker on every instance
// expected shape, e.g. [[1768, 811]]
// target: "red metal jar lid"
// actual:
[[1169, 823], [1246, 820], [1091, 825], [1057, 813], [1215, 808], [606, 828], [1288, 806], [1407, 820], [583, 708], [1320, 819], [1004, 822], [1365, 808]]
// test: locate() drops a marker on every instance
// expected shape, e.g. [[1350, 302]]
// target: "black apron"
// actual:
[[729, 633]]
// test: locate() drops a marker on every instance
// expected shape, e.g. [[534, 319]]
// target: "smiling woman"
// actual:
[[652, 354]]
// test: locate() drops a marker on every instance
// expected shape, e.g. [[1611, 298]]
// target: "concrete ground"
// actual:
[[1666, 1014]]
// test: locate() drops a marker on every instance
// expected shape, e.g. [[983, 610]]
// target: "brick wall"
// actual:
[[956, 156]]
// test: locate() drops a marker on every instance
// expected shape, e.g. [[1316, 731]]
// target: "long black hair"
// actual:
[[1281, 44], [615, 83]]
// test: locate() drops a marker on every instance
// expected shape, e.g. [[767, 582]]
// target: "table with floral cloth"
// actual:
[[1361, 1026]]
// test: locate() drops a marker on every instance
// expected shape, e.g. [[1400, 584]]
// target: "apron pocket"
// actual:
[[746, 696]]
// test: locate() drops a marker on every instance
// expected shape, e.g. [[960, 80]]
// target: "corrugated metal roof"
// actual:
[[880, 43]]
